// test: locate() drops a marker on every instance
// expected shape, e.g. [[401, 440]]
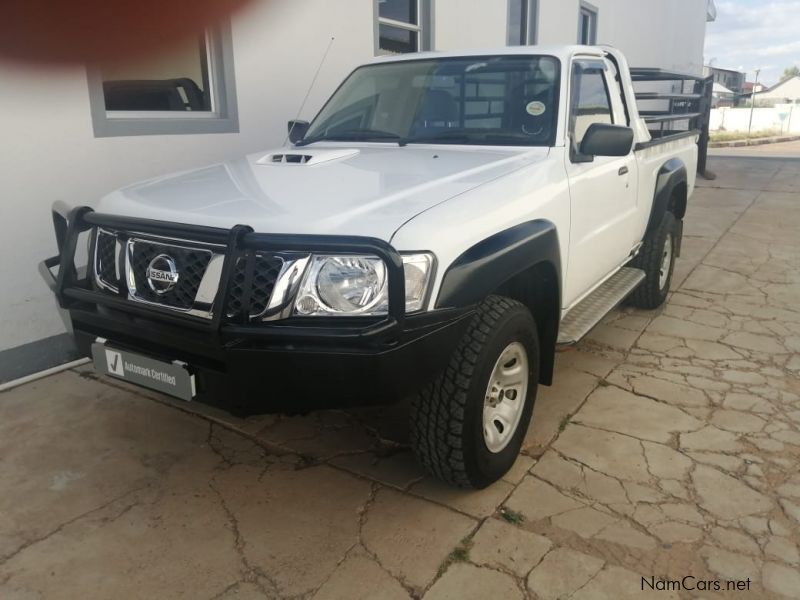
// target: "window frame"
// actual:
[[223, 117], [423, 28], [593, 14], [529, 20], [619, 106], [574, 146]]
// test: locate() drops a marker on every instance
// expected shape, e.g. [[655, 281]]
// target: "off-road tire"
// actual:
[[447, 415], [650, 293]]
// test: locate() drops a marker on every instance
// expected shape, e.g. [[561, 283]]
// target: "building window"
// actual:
[[587, 24], [402, 26], [522, 22], [187, 89]]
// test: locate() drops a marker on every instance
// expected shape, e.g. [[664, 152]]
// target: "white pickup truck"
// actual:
[[440, 228]]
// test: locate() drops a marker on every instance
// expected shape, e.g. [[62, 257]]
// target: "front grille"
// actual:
[[191, 265], [198, 267], [265, 274], [106, 258]]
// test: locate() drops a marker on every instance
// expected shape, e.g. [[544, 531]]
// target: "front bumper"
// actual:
[[290, 365]]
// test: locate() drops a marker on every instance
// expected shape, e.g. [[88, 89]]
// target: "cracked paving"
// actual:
[[669, 446]]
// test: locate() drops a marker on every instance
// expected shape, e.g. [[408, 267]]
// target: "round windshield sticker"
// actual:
[[535, 108]]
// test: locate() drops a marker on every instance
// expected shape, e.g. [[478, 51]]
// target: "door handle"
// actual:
[[622, 171]]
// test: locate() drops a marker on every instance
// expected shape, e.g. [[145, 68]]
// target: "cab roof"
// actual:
[[563, 52]]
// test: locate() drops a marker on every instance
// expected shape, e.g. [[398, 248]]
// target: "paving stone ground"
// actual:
[[669, 447]]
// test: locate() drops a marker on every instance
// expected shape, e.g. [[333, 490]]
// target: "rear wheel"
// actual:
[[468, 425], [657, 260]]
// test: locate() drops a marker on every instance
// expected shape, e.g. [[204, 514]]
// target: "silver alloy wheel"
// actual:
[[505, 397], [666, 262]]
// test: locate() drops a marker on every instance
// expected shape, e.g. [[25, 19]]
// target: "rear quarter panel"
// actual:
[[650, 160]]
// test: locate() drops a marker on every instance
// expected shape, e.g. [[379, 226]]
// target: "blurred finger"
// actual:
[[100, 31]]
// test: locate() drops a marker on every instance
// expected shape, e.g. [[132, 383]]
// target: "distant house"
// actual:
[[750, 87], [722, 96], [787, 91], [730, 78]]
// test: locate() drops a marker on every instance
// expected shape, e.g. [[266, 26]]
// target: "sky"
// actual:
[[752, 34]]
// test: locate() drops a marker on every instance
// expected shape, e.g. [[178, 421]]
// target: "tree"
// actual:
[[790, 72]]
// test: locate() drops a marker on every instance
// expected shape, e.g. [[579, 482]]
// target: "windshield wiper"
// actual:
[[471, 137], [454, 137], [361, 135]]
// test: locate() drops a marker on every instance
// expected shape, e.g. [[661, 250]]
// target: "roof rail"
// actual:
[[651, 74]]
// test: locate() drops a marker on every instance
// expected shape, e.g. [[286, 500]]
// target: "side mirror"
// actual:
[[607, 140], [297, 130]]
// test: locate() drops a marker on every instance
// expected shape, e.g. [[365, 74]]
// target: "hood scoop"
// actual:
[[300, 157]]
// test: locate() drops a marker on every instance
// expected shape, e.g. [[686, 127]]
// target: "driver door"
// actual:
[[603, 190]]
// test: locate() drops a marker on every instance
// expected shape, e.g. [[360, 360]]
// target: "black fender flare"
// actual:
[[671, 174], [502, 260], [484, 267]]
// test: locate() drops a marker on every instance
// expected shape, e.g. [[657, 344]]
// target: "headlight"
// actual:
[[358, 285]]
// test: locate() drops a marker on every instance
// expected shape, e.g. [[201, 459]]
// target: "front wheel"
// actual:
[[467, 426]]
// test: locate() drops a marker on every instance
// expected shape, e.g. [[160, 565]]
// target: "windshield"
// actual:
[[492, 100]]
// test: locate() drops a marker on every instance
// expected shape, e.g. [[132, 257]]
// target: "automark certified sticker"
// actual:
[[169, 378]]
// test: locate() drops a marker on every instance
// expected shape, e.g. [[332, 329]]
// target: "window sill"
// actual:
[[183, 125]]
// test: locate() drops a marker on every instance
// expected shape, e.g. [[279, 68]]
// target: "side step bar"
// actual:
[[588, 312]]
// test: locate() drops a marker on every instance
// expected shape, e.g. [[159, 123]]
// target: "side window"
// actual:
[[590, 102], [587, 24], [402, 26], [523, 18]]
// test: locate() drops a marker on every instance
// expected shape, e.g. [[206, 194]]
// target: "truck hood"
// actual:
[[368, 190]]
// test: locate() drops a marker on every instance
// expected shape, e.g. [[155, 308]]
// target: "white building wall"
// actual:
[[665, 34], [558, 22], [49, 152], [669, 35], [469, 24]]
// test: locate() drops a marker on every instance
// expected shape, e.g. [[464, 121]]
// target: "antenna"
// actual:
[[310, 87]]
